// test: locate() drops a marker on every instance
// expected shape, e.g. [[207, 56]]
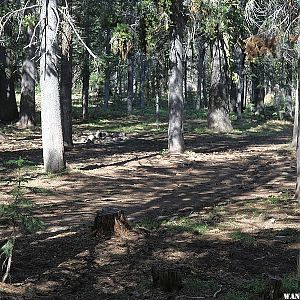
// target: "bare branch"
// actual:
[[4, 19], [68, 18]]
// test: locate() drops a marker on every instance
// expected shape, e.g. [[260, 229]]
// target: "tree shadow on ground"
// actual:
[[73, 264], [67, 262]]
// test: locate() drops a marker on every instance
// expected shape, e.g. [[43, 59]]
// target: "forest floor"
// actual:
[[223, 212]]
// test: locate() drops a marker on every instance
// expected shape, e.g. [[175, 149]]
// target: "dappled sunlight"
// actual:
[[219, 210]]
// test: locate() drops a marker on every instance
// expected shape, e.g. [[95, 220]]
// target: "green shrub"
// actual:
[[17, 214]]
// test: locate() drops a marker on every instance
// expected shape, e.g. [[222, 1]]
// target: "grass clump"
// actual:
[[186, 224], [198, 285], [290, 284], [243, 237], [256, 287], [42, 191], [277, 199], [149, 224]]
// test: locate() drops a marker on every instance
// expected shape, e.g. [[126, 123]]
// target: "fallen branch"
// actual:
[[4, 19], [67, 17], [217, 292]]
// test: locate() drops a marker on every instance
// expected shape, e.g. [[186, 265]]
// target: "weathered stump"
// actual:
[[273, 288], [110, 221], [166, 278]]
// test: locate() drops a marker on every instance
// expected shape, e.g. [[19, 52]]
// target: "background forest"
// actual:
[[182, 115]]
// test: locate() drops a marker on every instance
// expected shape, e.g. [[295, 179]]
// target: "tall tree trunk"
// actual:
[[165, 76], [247, 91], [85, 86], [158, 94], [66, 81], [107, 73], [142, 83], [86, 64], [27, 102], [52, 136], [185, 79], [218, 115], [295, 129], [130, 84], [240, 83], [3, 81], [289, 91], [8, 104], [175, 132], [200, 70], [297, 114], [119, 81], [106, 88], [258, 90]]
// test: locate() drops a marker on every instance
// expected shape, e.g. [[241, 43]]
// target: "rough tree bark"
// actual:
[[239, 84], [8, 104], [295, 129], [142, 82], [200, 69], [247, 91], [218, 115], [158, 93], [130, 84], [297, 194], [52, 136], [66, 81], [175, 132], [258, 90], [85, 85], [185, 79], [119, 81], [107, 73], [27, 102], [86, 65]]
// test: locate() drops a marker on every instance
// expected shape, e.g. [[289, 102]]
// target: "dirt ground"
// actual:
[[223, 213]]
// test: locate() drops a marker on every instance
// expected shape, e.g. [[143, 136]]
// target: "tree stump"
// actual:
[[273, 288], [166, 278], [110, 221]]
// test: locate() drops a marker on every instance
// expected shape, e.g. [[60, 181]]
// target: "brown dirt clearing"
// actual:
[[224, 211]]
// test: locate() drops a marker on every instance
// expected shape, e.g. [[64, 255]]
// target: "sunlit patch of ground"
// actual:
[[224, 211]]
